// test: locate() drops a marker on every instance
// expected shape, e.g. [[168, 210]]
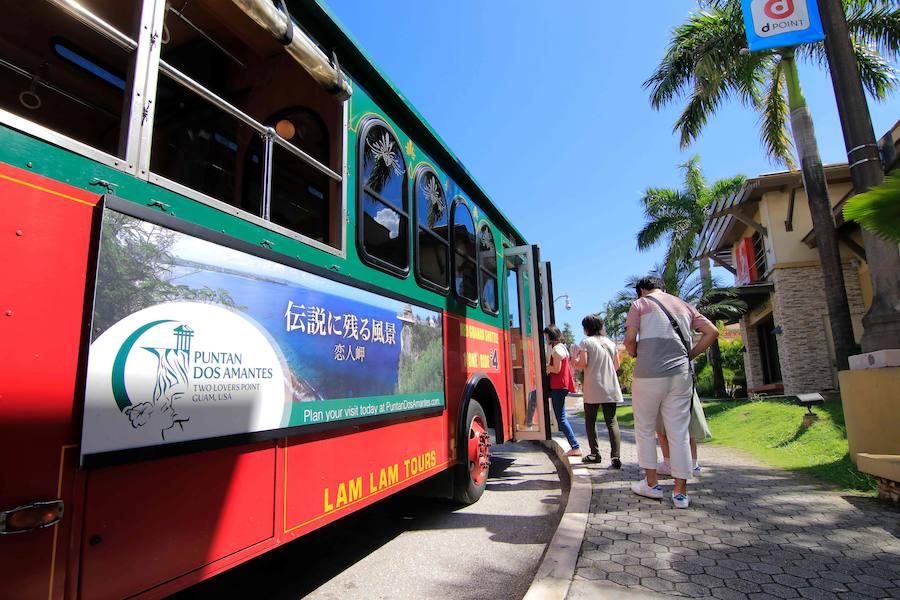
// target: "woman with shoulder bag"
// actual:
[[561, 384]]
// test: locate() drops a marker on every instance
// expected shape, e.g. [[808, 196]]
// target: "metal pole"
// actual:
[[882, 322], [816, 186]]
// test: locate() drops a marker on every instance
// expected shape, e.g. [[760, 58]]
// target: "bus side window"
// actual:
[[255, 96], [487, 264], [60, 74], [383, 217], [300, 194], [465, 267], [432, 229]]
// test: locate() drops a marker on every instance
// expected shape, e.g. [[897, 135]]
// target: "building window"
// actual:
[[759, 252], [383, 204], [432, 243], [465, 266], [487, 265]]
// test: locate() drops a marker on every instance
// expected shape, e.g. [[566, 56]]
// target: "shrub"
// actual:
[[732, 354], [626, 369]]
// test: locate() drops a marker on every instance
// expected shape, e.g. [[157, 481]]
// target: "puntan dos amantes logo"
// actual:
[[181, 371]]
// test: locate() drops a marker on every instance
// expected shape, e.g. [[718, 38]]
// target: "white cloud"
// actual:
[[390, 221]]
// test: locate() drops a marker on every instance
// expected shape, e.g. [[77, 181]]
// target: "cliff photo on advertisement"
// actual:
[[192, 339]]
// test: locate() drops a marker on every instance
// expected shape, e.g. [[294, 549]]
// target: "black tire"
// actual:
[[466, 489]]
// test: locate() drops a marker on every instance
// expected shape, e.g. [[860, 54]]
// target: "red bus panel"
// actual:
[[44, 244], [150, 522]]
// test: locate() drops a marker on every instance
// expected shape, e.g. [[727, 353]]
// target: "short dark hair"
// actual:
[[592, 324], [650, 282], [553, 333]]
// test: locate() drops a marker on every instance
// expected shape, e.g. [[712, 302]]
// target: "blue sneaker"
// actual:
[[680, 500]]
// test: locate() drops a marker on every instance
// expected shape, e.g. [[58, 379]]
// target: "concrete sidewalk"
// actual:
[[752, 532]]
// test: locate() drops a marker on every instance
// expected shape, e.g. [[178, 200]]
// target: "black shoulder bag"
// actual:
[[684, 342]]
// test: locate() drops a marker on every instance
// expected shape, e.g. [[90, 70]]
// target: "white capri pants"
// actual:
[[670, 398]]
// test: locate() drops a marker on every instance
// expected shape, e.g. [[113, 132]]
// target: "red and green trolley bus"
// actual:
[[246, 290]]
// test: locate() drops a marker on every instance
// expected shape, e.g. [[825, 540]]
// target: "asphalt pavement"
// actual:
[[414, 547]]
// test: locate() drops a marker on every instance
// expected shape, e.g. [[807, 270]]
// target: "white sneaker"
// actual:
[[680, 500], [641, 488], [697, 469], [664, 468]]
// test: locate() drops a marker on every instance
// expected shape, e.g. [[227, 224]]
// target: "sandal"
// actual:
[[574, 452], [592, 458]]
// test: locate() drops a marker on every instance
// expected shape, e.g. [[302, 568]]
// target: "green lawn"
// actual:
[[771, 431]]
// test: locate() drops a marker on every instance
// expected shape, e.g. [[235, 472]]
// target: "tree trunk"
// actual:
[[882, 323], [714, 354], [823, 223]]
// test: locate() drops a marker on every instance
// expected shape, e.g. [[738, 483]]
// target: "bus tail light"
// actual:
[[31, 516]]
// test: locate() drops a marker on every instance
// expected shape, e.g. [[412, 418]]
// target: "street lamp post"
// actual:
[[568, 303], [882, 322]]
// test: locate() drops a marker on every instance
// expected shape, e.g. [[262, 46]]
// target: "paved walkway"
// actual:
[[752, 532]]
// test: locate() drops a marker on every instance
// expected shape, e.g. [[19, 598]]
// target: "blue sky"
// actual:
[[543, 102]]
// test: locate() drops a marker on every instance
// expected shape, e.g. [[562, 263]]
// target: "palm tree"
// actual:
[[713, 300], [613, 315], [706, 61], [679, 215]]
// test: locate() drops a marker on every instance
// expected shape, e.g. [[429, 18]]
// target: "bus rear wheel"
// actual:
[[471, 476]]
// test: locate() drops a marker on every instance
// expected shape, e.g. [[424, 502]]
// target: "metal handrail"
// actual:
[[306, 158], [88, 18], [82, 14], [195, 87]]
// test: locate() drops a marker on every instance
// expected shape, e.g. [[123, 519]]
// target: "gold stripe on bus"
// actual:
[[62, 456], [49, 191]]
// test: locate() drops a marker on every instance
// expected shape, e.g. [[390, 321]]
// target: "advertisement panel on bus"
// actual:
[[195, 340]]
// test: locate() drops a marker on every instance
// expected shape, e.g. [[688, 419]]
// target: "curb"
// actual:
[[554, 574]]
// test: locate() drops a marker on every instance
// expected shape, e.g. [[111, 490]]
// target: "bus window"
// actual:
[[433, 248], [58, 73], [227, 96], [465, 267], [383, 203], [487, 263], [300, 193]]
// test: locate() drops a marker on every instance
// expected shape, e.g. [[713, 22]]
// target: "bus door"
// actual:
[[549, 315], [526, 381]]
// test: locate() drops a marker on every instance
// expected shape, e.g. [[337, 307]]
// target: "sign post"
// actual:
[[781, 23]]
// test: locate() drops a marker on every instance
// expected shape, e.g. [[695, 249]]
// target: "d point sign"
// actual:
[[781, 23]]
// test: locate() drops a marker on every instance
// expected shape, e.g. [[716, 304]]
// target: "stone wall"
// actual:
[[752, 359], [800, 309], [888, 490]]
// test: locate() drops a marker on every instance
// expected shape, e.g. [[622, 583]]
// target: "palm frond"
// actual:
[[774, 117], [722, 304], [711, 39], [701, 105], [694, 181], [875, 23], [658, 201], [725, 188], [681, 250], [877, 75], [652, 232], [878, 210]]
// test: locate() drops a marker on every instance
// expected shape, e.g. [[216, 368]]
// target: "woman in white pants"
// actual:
[[662, 380]]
